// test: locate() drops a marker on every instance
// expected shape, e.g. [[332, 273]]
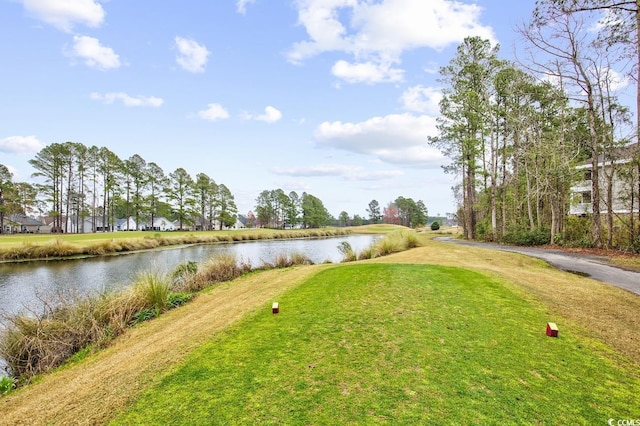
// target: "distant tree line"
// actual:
[[279, 210], [91, 187], [85, 189], [515, 134]]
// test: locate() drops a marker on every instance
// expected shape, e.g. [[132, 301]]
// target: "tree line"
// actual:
[[277, 209], [92, 187], [519, 136], [85, 189]]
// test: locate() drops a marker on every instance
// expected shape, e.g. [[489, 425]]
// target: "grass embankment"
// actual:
[[34, 247], [34, 344], [405, 344], [402, 342]]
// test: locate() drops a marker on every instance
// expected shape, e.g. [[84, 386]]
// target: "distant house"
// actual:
[[19, 223], [159, 224], [615, 165], [241, 222], [126, 225]]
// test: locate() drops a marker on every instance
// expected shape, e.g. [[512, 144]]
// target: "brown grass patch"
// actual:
[[94, 391]]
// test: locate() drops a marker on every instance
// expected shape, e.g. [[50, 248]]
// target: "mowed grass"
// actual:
[[395, 344]]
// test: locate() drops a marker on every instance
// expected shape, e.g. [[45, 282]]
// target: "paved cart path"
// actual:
[[587, 265]]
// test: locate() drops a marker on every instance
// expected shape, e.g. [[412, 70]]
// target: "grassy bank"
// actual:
[[33, 247], [73, 327], [405, 344], [507, 364]]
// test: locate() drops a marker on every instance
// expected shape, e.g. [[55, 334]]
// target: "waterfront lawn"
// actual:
[[401, 344], [7, 240], [31, 246]]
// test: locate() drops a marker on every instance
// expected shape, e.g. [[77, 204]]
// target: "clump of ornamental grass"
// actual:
[[411, 240], [287, 261], [24, 251], [297, 259], [348, 253], [220, 268], [367, 253], [396, 242], [393, 242], [31, 344], [103, 247], [183, 275], [58, 247], [154, 288]]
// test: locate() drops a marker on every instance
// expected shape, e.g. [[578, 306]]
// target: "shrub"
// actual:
[[183, 271], [144, 315], [527, 237], [577, 232], [178, 299], [435, 226]]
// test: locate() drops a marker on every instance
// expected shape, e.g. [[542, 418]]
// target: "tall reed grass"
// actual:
[[393, 242]]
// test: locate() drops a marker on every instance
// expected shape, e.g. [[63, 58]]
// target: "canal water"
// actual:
[[24, 286]]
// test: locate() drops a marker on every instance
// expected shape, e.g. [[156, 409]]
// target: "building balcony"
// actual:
[[583, 186], [581, 208]]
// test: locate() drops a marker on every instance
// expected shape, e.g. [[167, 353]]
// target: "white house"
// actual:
[[159, 224], [126, 225], [624, 177]]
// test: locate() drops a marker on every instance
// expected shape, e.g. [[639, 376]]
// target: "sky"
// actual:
[[336, 98]]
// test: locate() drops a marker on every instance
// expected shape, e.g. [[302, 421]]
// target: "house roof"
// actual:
[[618, 154], [21, 219]]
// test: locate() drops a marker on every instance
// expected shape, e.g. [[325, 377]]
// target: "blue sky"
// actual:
[[333, 97]]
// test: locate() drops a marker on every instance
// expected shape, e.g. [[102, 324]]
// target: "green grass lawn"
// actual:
[[89, 237], [395, 344]]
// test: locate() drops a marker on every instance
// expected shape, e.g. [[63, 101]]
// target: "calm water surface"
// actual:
[[23, 286]]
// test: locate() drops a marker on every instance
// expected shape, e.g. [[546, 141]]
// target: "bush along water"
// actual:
[[72, 328]]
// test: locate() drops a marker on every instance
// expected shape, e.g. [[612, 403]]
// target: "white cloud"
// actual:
[[397, 139], [422, 99], [379, 32], [615, 80], [192, 56], [319, 170], [64, 14], [271, 115], [326, 170], [93, 53], [241, 6], [367, 72], [214, 112], [129, 101], [20, 145]]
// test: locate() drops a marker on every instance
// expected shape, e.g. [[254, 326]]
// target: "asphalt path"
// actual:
[[585, 265]]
